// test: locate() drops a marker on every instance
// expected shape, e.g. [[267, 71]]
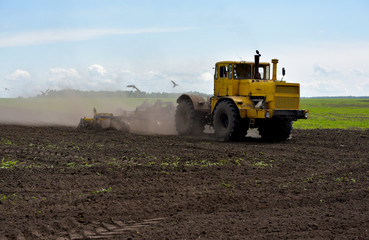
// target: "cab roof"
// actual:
[[241, 62]]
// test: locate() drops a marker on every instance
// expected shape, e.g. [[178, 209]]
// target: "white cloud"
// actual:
[[62, 73], [108, 81], [18, 84], [95, 78], [61, 78], [322, 70], [357, 71], [18, 74], [62, 35], [207, 77], [96, 70]]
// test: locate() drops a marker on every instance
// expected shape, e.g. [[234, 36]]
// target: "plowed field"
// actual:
[[64, 183]]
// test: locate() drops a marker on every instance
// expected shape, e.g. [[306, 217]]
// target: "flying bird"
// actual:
[[6, 89], [174, 83], [44, 93], [133, 86]]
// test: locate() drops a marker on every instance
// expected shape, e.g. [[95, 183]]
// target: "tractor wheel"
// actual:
[[228, 124], [188, 121], [275, 129]]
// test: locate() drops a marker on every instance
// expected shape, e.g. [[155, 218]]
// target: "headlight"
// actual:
[[267, 115]]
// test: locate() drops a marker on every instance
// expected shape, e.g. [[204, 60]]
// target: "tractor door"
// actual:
[[221, 80]]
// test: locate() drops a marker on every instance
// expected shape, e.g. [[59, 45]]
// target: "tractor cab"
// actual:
[[231, 77]]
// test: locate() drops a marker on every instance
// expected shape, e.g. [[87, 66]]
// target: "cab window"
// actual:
[[230, 71], [264, 72], [216, 72], [242, 71], [223, 71], [261, 71]]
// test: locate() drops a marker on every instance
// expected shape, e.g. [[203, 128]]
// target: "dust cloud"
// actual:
[[148, 118]]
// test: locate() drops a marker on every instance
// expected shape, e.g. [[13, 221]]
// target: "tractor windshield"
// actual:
[[242, 71], [264, 72]]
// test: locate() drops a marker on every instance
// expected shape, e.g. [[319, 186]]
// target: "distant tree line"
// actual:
[[120, 94]]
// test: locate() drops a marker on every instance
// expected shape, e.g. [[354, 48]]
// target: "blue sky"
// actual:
[[108, 44]]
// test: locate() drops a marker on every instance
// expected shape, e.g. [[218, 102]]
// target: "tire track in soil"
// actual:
[[109, 230], [97, 230]]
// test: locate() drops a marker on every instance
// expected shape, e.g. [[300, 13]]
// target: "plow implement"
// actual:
[[147, 118], [103, 121]]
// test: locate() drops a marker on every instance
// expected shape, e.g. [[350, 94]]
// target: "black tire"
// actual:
[[228, 124], [275, 129], [188, 121]]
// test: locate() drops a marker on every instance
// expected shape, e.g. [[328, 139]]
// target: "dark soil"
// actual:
[[64, 183]]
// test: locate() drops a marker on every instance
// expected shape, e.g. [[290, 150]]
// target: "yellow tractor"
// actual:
[[244, 97]]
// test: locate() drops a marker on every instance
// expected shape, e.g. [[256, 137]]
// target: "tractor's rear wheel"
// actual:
[[275, 129], [228, 124], [188, 120]]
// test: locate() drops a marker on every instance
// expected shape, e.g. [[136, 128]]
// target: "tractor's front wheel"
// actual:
[[228, 123], [188, 121], [275, 129]]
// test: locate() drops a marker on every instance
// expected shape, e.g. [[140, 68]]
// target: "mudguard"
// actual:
[[199, 103]]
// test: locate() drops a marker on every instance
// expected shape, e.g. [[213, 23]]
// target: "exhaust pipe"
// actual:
[[256, 72], [274, 61]]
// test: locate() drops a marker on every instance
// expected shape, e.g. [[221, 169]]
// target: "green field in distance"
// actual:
[[343, 113]]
